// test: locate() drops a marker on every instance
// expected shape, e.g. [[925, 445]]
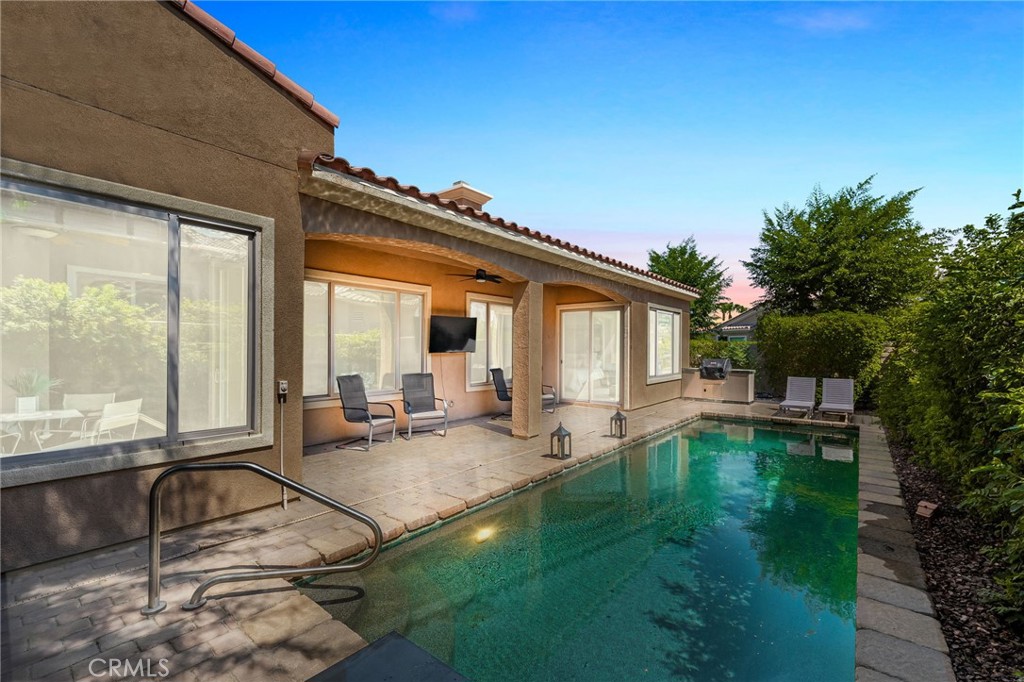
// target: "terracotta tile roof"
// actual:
[[342, 166], [262, 64]]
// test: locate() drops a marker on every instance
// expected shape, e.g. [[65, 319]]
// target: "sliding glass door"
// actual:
[[591, 355]]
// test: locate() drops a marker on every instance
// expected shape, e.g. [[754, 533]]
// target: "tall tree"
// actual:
[[850, 251], [684, 263], [728, 309]]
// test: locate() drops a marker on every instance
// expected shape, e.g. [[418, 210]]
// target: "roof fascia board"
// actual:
[[331, 185]]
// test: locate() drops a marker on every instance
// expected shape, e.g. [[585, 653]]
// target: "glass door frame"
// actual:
[[622, 310]]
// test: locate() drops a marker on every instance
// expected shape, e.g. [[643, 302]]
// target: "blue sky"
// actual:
[[625, 126]]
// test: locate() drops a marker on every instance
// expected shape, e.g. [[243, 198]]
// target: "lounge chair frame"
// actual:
[[800, 395]]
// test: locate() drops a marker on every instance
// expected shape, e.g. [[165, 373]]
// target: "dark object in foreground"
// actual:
[[392, 657]]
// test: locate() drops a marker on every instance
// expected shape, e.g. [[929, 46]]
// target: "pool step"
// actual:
[[392, 657]]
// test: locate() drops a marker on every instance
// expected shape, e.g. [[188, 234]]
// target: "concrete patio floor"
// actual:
[[60, 618]]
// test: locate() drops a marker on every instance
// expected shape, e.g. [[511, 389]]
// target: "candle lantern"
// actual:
[[561, 442], [618, 425]]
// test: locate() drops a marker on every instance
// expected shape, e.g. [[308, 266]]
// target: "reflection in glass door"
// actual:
[[591, 355]]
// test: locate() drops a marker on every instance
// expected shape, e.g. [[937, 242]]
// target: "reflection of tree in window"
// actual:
[[493, 340], [213, 369]]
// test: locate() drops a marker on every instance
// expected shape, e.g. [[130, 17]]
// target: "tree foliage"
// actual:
[[741, 353], [684, 263], [954, 385], [836, 344], [124, 343], [850, 251]]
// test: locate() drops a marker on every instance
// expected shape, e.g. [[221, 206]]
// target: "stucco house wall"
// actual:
[[137, 94]]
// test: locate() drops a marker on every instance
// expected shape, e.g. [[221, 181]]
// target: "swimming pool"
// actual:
[[718, 551]]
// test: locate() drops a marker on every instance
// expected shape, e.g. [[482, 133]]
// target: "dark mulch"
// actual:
[[982, 649]]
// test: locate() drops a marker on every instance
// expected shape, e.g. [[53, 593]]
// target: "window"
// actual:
[[120, 323], [663, 344], [493, 338], [356, 325]]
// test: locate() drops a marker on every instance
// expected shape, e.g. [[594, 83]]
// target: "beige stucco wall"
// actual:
[[134, 94], [643, 393], [738, 387]]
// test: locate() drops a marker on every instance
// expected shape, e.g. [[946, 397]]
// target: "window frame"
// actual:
[[329, 277], [677, 333], [488, 299], [173, 446]]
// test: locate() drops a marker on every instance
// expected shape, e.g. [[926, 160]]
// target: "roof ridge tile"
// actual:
[[210, 24]]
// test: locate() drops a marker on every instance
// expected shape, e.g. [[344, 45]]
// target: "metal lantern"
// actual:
[[561, 442], [618, 425]]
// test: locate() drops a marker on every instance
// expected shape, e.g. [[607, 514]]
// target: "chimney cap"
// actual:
[[463, 193]]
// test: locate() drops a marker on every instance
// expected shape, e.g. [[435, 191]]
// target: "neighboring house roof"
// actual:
[[262, 64], [742, 323], [339, 165]]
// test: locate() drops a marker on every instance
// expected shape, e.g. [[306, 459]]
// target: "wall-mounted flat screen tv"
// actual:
[[452, 334]]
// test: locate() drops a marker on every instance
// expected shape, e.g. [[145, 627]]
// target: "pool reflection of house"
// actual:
[[167, 238]]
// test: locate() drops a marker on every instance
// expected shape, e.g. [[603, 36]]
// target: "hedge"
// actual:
[[742, 353], [836, 344]]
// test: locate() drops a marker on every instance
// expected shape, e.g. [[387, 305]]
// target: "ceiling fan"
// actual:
[[479, 276]]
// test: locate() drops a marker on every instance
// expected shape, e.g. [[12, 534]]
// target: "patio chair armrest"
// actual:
[[547, 389], [444, 403], [387, 405]]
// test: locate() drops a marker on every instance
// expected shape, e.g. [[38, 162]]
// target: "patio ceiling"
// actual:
[[434, 253]]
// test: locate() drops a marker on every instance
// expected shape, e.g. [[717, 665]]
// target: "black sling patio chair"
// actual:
[[356, 409], [419, 402], [504, 393]]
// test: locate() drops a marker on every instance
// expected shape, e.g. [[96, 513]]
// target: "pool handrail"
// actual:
[[155, 605]]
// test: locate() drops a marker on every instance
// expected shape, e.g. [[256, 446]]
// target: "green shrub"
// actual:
[[741, 353], [833, 344], [954, 386]]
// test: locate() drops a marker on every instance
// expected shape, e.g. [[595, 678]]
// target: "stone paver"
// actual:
[[283, 621], [900, 622], [895, 593], [897, 571], [898, 637], [266, 630], [901, 659]]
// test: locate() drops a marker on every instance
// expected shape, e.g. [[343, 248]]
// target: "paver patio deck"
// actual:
[[60, 618]]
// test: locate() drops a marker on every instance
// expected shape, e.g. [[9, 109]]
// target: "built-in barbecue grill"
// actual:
[[715, 368]]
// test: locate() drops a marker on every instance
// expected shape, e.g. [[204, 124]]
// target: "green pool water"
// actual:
[[719, 551]]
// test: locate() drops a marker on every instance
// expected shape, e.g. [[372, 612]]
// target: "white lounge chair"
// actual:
[[800, 394], [837, 397]]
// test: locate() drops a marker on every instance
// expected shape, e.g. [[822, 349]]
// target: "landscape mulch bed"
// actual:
[[981, 647]]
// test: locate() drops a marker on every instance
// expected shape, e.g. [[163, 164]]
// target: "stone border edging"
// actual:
[[898, 636]]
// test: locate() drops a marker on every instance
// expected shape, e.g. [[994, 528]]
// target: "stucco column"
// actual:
[[684, 337], [527, 351]]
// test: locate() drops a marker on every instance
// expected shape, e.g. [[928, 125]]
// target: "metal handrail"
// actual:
[[197, 600]]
